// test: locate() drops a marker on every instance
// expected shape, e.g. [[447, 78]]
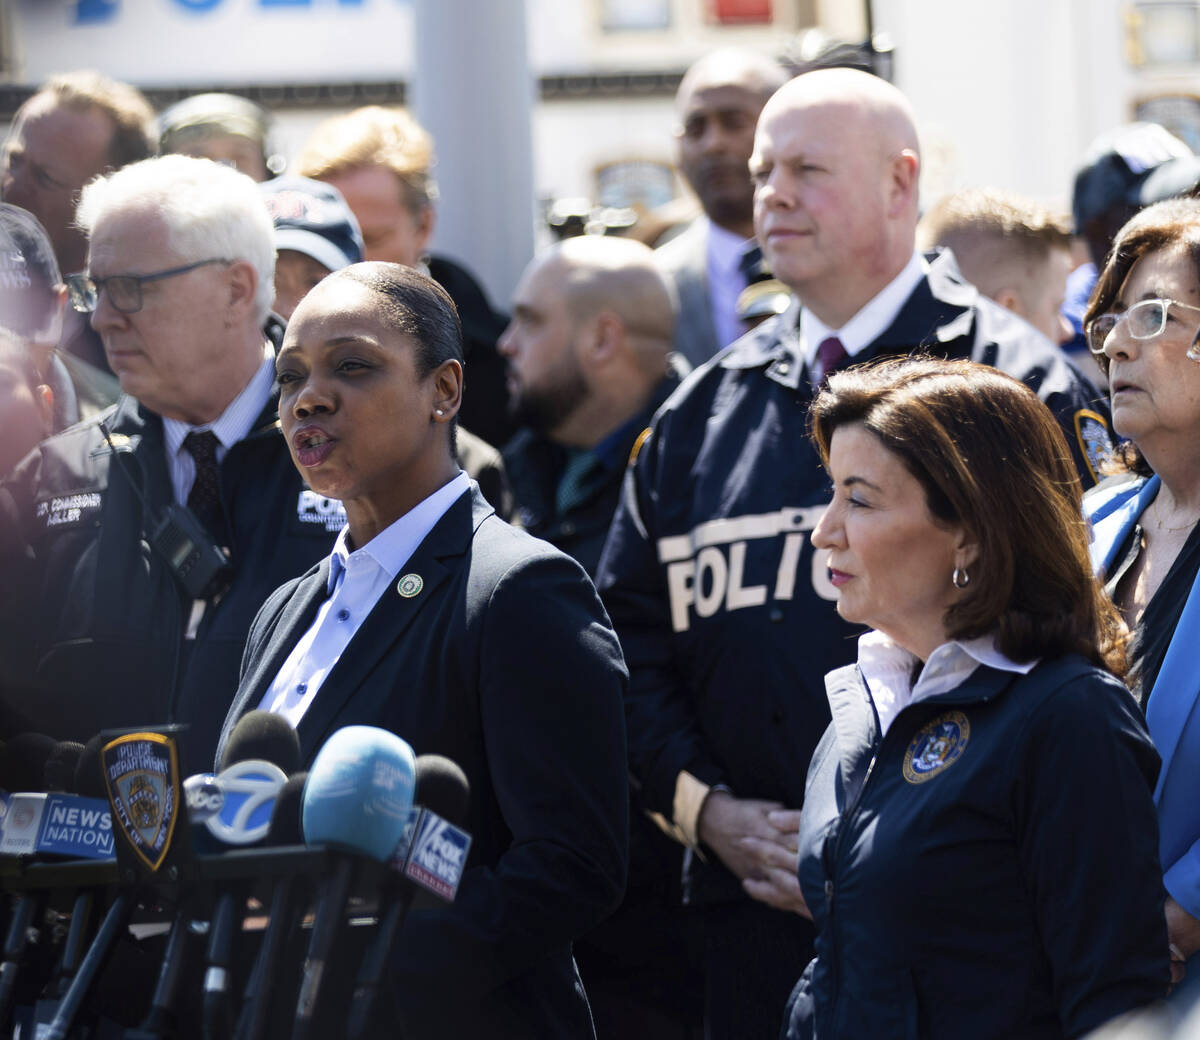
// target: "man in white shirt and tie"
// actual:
[[179, 283], [724, 610], [717, 104]]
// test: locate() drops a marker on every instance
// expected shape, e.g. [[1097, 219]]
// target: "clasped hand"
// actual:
[[757, 841]]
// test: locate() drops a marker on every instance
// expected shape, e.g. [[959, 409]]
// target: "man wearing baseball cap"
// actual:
[[315, 234]]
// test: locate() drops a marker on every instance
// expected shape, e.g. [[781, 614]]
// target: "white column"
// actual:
[[472, 89]]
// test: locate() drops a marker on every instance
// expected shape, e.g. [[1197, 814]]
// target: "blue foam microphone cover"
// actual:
[[359, 792]]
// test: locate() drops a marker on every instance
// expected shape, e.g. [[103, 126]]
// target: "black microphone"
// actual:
[[59, 771], [259, 736], [441, 787], [89, 772], [159, 1020], [285, 830], [22, 768], [23, 765], [21, 917], [61, 774], [116, 920], [286, 827], [266, 736]]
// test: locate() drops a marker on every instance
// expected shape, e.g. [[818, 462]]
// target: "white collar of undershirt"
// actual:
[[238, 419], [888, 667], [725, 249], [871, 321], [392, 548]]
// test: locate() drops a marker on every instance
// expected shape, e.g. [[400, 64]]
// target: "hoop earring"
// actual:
[[960, 578]]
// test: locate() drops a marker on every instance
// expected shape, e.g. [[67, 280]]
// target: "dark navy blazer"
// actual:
[[504, 662]]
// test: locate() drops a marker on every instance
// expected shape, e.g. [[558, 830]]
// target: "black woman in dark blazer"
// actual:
[[482, 644]]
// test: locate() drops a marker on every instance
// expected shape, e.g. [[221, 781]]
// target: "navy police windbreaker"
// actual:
[[725, 613]]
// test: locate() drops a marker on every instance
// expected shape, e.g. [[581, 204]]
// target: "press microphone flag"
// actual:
[[244, 795], [60, 824], [432, 852]]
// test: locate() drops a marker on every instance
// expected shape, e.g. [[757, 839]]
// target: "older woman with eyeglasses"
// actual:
[[1142, 326]]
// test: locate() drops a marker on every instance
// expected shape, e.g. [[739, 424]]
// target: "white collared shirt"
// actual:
[[725, 281], [234, 424], [871, 321], [888, 670], [357, 580]]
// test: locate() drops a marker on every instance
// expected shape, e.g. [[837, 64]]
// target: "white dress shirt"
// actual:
[[725, 281], [234, 424], [888, 670], [357, 580], [871, 321]]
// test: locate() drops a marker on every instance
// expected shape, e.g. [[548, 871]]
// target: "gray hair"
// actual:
[[209, 209]]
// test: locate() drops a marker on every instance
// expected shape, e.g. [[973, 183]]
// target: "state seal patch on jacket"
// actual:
[[936, 747]]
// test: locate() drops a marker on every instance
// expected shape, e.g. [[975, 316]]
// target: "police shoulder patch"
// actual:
[[1095, 442], [636, 450], [936, 747]]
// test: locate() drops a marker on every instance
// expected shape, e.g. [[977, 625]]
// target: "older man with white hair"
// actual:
[[179, 283]]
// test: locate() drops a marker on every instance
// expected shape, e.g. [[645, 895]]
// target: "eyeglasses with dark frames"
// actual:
[[124, 290], [1143, 320]]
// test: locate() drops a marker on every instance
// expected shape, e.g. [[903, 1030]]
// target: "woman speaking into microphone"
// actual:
[[977, 844], [435, 619]]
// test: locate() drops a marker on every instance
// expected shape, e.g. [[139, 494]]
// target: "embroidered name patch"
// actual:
[[936, 747], [68, 510]]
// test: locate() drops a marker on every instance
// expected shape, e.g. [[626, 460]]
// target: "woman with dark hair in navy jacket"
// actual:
[[978, 846]]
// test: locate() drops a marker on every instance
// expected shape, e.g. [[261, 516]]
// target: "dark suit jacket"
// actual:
[[506, 663], [685, 259]]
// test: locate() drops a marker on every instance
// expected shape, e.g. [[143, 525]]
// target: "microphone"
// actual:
[[261, 746], [285, 830], [433, 850], [59, 771], [357, 798], [204, 797], [116, 920], [61, 824], [263, 735], [89, 773], [58, 823], [442, 789], [23, 765], [235, 805], [286, 827]]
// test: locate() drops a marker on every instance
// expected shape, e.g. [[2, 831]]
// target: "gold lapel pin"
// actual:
[[410, 585]]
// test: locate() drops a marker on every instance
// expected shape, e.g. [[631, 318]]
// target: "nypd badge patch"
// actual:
[[936, 747], [141, 772], [1095, 442]]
